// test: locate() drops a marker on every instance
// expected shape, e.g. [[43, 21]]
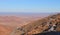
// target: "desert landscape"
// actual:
[[31, 25], [39, 26], [29, 17], [9, 23]]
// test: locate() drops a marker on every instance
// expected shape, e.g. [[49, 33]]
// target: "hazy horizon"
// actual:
[[24, 13]]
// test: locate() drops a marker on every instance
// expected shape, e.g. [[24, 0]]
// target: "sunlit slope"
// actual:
[[43, 24], [40, 25], [5, 30]]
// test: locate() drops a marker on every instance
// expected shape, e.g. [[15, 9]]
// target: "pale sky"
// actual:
[[34, 6]]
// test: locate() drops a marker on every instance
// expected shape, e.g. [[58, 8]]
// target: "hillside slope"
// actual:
[[5, 30], [9, 23], [40, 25], [54, 19]]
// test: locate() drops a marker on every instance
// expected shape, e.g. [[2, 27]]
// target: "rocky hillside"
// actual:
[[54, 19], [40, 25]]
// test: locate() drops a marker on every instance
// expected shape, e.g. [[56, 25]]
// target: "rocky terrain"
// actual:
[[43, 24], [12, 25], [39, 26], [9, 23]]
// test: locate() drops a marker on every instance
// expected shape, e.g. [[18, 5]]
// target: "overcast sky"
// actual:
[[35, 6]]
